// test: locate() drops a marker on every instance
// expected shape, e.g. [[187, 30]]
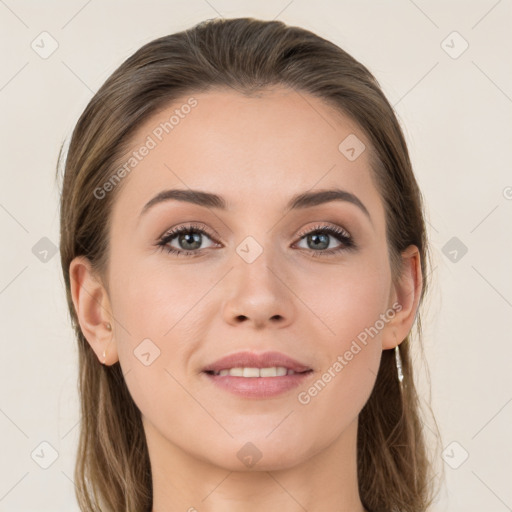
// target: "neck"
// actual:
[[325, 481]]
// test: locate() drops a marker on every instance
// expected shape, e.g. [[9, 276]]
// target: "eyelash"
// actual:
[[347, 243]]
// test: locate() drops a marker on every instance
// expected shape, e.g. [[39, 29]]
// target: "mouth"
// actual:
[[252, 375], [249, 372]]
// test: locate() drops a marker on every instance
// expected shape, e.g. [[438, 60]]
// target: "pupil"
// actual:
[[324, 243], [190, 238]]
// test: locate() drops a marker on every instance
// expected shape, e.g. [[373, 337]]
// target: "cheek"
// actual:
[[346, 298], [351, 305], [155, 305], [161, 308], [155, 300]]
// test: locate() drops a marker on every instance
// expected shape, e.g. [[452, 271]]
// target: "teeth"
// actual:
[[275, 371], [251, 372], [271, 372]]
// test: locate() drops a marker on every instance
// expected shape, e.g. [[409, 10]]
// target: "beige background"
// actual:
[[456, 112]]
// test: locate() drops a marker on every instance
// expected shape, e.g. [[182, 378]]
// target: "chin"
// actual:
[[263, 455]]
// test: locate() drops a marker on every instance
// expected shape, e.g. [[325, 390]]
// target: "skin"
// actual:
[[256, 152]]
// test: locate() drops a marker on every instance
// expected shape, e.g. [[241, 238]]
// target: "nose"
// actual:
[[258, 295]]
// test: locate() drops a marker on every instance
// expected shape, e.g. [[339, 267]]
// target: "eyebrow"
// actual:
[[297, 202]]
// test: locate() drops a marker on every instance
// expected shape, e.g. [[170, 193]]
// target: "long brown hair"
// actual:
[[112, 470]]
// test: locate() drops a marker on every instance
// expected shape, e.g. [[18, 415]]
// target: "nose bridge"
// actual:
[[255, 266], [256, 290]]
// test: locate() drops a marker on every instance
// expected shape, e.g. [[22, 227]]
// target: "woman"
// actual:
[[244, 252]]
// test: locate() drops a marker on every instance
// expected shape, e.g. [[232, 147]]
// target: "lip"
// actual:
[[253, 360], [257, 387]]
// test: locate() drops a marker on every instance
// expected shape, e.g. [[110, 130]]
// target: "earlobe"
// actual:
[[406, 294], [92, 307]]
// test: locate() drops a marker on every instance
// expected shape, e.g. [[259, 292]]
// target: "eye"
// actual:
[[187, 239], [319, 239]]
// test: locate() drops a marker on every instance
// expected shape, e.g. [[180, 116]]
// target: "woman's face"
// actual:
[[249, 279]]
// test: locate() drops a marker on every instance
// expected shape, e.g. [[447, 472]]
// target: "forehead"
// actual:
[[256, 151]]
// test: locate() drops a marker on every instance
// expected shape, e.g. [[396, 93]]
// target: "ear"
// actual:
[[92, 307], [404, 299]]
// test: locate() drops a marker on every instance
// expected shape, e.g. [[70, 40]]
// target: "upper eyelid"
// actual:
[[323, 226], [192, 226]]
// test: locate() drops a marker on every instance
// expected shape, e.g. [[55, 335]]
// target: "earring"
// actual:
[[105, 352], [109, 328], [398, 360]]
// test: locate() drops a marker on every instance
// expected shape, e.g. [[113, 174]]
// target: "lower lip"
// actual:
[[258, 387]]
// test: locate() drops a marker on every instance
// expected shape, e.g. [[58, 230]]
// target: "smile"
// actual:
[[274, 371]]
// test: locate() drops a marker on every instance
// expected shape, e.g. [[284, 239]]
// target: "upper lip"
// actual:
[[252, 360]]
